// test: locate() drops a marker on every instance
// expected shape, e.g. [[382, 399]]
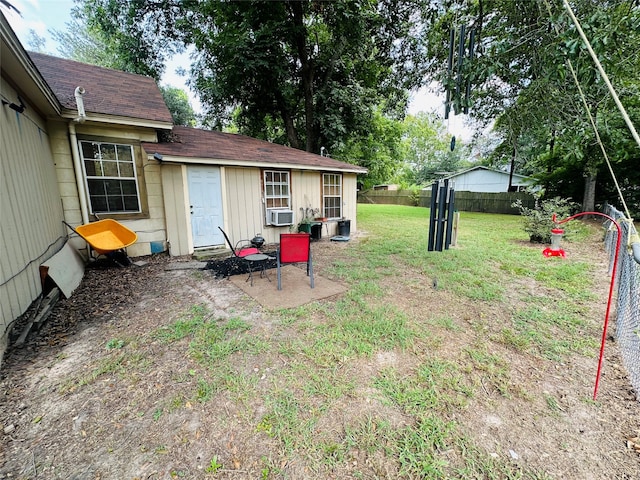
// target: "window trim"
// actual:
[[266, 197], [139, 177], [325, 196]]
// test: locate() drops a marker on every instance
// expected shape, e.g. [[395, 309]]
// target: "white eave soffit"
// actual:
[[115, 120], [255, 164]]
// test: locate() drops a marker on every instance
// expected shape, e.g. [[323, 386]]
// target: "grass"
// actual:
[[321, 364]]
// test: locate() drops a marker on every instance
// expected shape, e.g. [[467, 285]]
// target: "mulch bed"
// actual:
[[237, 266]]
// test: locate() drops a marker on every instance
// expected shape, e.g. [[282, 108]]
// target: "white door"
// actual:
[[205, 199]]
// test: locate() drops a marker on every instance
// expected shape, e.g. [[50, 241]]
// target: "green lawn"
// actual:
[[380, 381]]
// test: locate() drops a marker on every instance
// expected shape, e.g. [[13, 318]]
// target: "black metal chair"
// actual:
[[239, 250], [242, 249]]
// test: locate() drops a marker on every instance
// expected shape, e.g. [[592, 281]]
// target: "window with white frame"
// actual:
[[332, 195], [110, 174], [277, 189]]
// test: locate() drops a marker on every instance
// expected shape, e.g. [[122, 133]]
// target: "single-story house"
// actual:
[[81, 142], [391, 187], [247, 185], [485, 179]]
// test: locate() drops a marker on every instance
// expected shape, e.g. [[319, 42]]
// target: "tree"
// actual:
[[139, 50], [427, 152], [614, 33], [36, 42], [314, 71], [521, 76], [380, 151], [177, 102], [88, 40], [87, 44]]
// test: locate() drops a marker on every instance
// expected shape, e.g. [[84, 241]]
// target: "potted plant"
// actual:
[[308, 217]]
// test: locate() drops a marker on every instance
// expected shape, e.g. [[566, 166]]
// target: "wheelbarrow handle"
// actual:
[[74, 230]]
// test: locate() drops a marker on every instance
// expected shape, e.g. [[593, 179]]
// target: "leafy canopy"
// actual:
[[314, 72], [177, 102], [520, 79]]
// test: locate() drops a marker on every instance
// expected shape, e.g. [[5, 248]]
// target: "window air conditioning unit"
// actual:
[[280, 217]]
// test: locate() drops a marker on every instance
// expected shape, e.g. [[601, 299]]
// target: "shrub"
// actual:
[[414, 196], [538, 220]]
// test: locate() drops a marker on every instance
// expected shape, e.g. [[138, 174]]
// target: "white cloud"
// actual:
[[40, 16]]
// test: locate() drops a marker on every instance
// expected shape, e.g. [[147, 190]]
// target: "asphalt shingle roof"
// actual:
[[112, 92], [207, 144], [108, 92]]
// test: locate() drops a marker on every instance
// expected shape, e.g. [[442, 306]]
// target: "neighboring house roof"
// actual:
[[193, 145], [485, 179], [516, 176], [108, 92]]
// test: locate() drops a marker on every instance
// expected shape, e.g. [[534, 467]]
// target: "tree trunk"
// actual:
[[287, 119], [292, 133], [589, 199], [307, 73]]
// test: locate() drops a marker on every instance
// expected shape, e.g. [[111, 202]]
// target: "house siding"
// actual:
[[30, 210], [176, 202], [306, 189], [485, 181], [307, 192], [242, 203], [59, 133], [152, 229]]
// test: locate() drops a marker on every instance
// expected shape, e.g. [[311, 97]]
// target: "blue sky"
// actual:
[[38, 15], [44, 15]]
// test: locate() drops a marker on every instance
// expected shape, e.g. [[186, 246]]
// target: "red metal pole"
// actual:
[[611, 285]]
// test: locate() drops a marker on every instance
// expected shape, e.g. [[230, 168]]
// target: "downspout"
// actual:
[[75, 154]]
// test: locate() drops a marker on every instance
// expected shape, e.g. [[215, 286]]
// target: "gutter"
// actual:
[[178, 160]]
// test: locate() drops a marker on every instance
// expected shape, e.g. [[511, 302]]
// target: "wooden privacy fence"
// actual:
[[465, 201]]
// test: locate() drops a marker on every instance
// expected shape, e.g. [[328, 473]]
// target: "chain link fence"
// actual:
[[627, 331]]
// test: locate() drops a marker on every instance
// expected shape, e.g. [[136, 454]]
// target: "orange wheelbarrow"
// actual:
[[107, 237]]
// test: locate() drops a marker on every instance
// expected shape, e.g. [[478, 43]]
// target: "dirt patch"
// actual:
[[77, 404]]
